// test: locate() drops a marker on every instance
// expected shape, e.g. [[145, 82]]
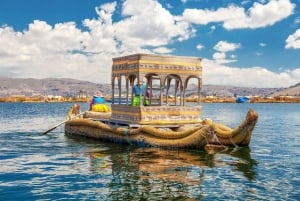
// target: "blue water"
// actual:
[[57, 167]]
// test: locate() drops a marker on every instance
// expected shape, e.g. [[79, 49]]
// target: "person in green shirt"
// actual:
[[139, 92]]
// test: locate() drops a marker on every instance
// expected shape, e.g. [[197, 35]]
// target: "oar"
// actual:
[[51, 129]]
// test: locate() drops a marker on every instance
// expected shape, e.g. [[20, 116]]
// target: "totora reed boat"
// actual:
[[158, 115]]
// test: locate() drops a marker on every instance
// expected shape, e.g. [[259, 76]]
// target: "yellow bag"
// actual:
[[101, 108]]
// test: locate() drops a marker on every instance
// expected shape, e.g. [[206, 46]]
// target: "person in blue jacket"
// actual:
[[98, 103], [137, 88]]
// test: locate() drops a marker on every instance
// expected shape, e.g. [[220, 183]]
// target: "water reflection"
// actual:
[[153, 173], [244, 163], [58, 167], [100, 162]]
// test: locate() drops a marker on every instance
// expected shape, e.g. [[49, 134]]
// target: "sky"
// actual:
[[241, 42]]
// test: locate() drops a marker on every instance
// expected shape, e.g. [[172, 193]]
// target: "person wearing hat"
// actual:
[[139, 91], [98, 103]]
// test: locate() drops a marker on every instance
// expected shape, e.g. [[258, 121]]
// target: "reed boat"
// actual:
[[166, 120]]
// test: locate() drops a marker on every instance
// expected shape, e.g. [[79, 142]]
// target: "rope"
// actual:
[[205, 136], [215, 135], [230, 138], [225, 147]]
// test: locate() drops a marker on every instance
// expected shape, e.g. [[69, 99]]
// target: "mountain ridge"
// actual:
[[69, 87]]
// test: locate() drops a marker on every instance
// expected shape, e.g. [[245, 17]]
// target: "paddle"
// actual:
[[51, 129]]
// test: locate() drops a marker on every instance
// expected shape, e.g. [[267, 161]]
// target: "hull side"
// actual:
[[193, 137], [188, 136]]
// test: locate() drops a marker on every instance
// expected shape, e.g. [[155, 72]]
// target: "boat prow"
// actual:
[[239, 136]]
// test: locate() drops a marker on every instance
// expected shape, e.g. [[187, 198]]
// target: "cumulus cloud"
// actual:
[[293, 41], [65, 50], [48, 51], [218, 74], [162, 50], [222, 47], [234, 17], [151, 26]]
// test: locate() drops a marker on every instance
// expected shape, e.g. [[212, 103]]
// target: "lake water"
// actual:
[[57, 167]]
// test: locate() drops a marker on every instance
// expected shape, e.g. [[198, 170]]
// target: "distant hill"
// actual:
[[291, 91], [232, 91], [50, 86], [71, 87]]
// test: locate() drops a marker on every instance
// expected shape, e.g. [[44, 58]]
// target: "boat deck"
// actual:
[[131, 125]]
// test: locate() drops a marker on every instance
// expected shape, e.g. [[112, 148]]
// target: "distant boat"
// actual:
[[242, 99]]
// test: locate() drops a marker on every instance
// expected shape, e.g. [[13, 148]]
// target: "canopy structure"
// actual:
[[167, 81]]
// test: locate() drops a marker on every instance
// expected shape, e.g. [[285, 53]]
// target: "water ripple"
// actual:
[[57, 167]]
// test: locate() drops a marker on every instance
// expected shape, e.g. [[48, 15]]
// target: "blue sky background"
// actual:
[[242, 43]]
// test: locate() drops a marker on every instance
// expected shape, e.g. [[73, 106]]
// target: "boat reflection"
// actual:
[[173, 165], [158, 174]]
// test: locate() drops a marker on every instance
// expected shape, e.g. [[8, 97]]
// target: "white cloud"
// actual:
[[46, 51], [151, 26], [245, 2], [297, 20], [232, 56], [262, 44], [64, 50], [216, 74], [219, 56], [222, 47], [293, 41], [199, 47], [162, 50], [169, 6], [258, 54], [234, 17], [212, 28]]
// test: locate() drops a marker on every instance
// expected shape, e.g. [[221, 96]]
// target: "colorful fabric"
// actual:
[[98, 100], [101, 108], [136, 98], [136, 101], [137, 88]]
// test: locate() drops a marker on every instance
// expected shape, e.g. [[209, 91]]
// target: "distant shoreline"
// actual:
[[210, 99]]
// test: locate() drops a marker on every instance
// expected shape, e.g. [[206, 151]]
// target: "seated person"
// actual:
[[98, 103], [136, 91], [74, 111]]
